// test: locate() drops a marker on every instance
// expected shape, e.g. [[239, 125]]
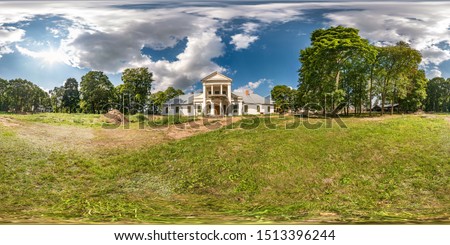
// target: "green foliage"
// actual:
[[3, 98], [71, 97], [415, 92], [96, 92], [56, 98], [340, 66], [336, 56], [160, 97], [438, 95], [284, 97], [393, 70], [137, 83], [19, 95]]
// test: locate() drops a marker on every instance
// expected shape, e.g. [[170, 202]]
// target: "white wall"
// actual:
[[252, 109], [183, 110]]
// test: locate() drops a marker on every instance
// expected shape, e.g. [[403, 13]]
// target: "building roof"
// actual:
[[216, 76], [253, 98]]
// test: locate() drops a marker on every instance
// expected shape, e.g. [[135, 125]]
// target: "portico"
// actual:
[[216, 96]]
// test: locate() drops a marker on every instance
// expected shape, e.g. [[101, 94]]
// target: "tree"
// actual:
[[3, 98], [172, 92], [415, 92], [137, 84], [284, 97], [438, 95], [56, 98], [392, 70], [96, 92], [23, 96], [160, 97], [158, 100], [71, 96], [332, 56]]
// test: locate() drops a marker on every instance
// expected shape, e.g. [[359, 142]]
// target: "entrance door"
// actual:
[[216, 109]]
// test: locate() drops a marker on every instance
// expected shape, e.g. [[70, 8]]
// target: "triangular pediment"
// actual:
[[216, 76]]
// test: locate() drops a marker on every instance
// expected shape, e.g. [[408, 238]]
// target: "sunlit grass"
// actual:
[[385, 170]]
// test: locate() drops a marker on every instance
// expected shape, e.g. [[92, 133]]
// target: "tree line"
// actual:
[[94, 94], [341, 67]]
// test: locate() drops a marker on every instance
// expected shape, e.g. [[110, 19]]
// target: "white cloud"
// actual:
[[49, 56], [8, 36], [191, 65], [422, 25], [435, 72], [434, 55], [251, 86], [105, 37], [102, 36], [250, 27], [242, 41]]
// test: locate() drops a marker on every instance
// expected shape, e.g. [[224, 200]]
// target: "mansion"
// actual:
[[218, 100]]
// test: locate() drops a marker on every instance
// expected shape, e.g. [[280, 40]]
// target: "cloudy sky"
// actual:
[[254, 42]]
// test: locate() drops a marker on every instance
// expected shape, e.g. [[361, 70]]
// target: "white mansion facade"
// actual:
[[218, 100]]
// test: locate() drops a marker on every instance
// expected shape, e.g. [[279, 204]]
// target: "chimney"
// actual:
[[247, 92]]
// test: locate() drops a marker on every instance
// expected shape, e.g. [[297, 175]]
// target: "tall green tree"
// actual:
[[438, 95], [71, 96], [56, 98], [394, 66], [415, 92], [160, 97], [284, 97], [333, 53], [171, 92], [137, 84], [3, 98], [96, 92], [24, 96]]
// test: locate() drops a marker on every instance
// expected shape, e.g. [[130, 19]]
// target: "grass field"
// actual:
[[394, 169]]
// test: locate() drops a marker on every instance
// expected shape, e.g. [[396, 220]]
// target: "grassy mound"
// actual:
[[259, 170]]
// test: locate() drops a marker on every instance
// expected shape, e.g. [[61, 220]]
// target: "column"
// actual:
[[212, 90], [204, 100], [212, 108], [229, 92], [231, 108], [220, 89], [220, 110], [240, 108]]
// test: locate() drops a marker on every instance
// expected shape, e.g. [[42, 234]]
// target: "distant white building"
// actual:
[[218, 100]]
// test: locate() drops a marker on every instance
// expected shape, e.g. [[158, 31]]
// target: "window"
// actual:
[[216, 92], [209, 92], [258, 108], [189, 109], [177, 110], [268, 109], [224, 92], [235, 108], [245, 108], [167, 110], [199, 109]]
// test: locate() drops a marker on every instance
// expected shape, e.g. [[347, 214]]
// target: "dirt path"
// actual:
[[189, 129], [64, 137]]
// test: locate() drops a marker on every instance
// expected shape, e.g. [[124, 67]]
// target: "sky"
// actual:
[[256, 43]]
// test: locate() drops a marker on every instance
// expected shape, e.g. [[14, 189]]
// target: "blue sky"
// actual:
[[254, 42]]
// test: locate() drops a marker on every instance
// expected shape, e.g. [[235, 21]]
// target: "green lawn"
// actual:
[[98, 120], [395, 169]]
